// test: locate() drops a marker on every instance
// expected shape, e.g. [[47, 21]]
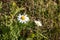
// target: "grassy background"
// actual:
[[48, 11]]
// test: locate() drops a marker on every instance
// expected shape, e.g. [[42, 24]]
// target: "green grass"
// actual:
[[47, 11]]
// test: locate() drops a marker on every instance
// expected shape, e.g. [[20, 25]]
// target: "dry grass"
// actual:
[[47, 11]]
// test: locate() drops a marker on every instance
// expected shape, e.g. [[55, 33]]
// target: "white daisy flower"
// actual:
[[23, 18], [38, 23]]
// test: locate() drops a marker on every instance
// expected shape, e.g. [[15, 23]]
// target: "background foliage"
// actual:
[[48, 11]]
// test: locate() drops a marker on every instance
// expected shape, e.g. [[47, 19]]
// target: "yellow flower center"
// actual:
[[23, 17]]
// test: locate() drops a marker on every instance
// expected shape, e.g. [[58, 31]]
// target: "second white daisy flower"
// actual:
[[38, 23]]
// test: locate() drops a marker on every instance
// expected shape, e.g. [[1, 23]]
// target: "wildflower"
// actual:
[[38, 23], [23, 18]]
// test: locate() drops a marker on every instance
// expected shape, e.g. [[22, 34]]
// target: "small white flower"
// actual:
[[23, 18], [38, 23]]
